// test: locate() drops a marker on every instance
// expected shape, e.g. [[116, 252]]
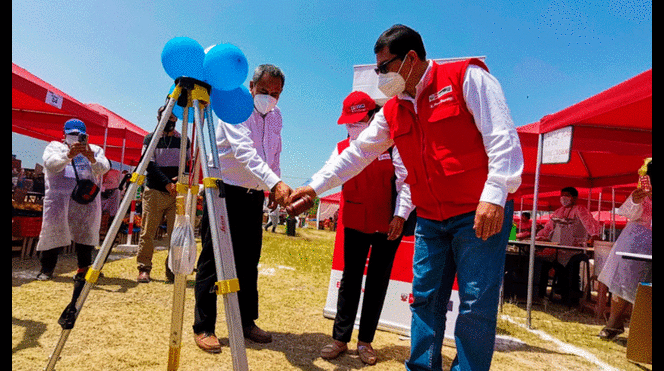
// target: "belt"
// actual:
[[243, 189]]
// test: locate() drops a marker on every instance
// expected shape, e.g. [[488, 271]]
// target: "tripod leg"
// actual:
[[223, 252], [175, 342], [70, 314]]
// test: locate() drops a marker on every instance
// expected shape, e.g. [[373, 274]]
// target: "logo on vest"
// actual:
[[440, 94]]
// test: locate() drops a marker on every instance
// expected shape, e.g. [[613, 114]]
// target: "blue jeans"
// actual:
[[443, 249]]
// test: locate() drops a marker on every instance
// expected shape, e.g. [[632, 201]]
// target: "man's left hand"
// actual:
[[488, 220]]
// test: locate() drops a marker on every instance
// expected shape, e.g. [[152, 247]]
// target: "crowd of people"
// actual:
[[443, 146]]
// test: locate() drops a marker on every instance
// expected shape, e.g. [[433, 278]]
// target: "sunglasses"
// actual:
[[382, 68]]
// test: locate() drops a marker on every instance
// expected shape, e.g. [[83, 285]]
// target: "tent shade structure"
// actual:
[[125, 140], [39, 110], [327, 207], [611, 135]]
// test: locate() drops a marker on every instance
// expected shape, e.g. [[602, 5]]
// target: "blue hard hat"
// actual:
[[74, 126]]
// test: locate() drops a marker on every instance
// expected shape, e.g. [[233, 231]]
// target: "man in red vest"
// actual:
[[452, 127], [375, 205]]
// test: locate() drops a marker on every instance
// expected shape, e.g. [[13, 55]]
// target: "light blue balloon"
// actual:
[[232, 106], [225, 66], [183, 56]]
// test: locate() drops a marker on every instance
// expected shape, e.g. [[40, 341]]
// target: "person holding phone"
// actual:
[[65, 220]]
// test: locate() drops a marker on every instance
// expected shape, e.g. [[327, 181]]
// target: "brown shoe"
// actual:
[[208, 342], [367, 354], [143, 277], [255, 334], [333, 350]]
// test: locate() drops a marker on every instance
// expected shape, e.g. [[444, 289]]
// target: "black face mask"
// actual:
[[170, 126]]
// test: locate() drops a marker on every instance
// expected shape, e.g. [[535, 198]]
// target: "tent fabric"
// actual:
[[39, 110], [121, 134], [612, 134], [328, 206]]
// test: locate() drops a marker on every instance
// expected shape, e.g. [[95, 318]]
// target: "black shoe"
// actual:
[[255, 334]]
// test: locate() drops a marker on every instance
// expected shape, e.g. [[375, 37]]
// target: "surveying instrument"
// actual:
[[188, 93]]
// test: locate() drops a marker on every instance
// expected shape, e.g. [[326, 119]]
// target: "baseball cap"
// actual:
[[356, 105], [74, 126]]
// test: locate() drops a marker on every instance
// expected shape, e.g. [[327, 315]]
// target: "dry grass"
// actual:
[[124, 326]]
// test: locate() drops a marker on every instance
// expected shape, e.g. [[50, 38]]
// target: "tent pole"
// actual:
[[318, 216], [612, 235], [124, 144], [533, 229]]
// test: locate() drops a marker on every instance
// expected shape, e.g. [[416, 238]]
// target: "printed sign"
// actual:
[[557, 146], [53, 99]]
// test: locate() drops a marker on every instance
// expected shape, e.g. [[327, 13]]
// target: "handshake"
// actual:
[[295, 201]]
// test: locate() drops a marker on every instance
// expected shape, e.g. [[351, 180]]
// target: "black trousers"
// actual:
[[356, 250], [49, 258], [245, 219]]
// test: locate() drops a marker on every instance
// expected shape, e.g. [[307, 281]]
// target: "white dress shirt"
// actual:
[[485, 101], [403, 206], [249, 152]]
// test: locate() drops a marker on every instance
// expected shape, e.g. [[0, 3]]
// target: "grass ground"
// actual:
[[124, 325]]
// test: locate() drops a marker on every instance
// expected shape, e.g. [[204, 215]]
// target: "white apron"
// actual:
[[622, 276], [65, 220]]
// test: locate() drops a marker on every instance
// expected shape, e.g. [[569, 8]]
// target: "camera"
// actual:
[[83, 138]]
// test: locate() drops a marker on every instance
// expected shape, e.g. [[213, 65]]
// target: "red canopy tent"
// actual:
[[39, 110], [611, 135], [327, 206], [125, 140]]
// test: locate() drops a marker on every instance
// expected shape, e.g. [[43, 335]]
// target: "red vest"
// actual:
[[368, 198], [440, 145]]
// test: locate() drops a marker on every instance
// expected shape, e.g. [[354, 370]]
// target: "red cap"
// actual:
[[356, 106]]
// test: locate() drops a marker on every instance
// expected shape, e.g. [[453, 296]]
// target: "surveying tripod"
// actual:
[[187, 93]]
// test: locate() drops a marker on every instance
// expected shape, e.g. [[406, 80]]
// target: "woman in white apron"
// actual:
[[65, 220], [622, 276]]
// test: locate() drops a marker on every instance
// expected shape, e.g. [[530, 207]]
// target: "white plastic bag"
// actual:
[[182, 256]]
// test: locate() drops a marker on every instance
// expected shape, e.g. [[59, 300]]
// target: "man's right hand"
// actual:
[[301, 192]]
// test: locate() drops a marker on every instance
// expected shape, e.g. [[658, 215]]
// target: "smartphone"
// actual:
[[83, 138]]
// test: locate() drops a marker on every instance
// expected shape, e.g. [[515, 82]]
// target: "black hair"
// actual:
[[570, 190], [400, 40]]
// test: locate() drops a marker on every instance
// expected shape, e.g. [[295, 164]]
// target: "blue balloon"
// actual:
[[225, 66], [232, 106], [183, 56]]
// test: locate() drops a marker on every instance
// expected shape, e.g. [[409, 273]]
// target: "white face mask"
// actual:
[[264, 103], [71, 138], [392, 83], [355, 129], [565, 201]]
